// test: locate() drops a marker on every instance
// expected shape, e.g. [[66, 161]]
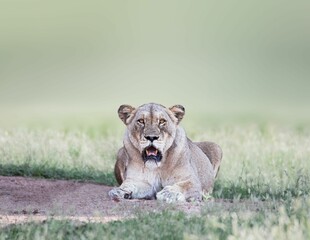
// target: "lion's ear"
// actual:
[[178, 111], [124, 112]]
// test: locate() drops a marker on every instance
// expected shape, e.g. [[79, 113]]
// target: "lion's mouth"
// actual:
[[151, 153]]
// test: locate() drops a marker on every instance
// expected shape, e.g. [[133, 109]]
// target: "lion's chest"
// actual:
[[148, 173], [152, 176]]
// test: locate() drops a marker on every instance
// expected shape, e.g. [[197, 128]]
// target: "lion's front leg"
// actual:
[[180, 192], [171, 194], [132, 190]]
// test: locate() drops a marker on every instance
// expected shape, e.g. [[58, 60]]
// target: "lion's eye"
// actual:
[[162, 121], [141, 121]]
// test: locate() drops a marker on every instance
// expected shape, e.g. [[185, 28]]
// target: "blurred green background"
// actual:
[[217, 58]]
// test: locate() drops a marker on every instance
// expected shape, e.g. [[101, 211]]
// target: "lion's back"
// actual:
[[203, 166]]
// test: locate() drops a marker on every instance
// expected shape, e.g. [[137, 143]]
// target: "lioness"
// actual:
[[159, 161]]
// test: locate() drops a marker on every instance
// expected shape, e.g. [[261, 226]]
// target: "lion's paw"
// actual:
[[118, 193], [169, 194]]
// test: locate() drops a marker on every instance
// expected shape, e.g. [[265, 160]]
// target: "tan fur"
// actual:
[[186, 169]]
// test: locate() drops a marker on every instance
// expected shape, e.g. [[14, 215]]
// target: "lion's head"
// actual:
[[151, 128]]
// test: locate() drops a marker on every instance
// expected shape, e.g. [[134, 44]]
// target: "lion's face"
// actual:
[[151, 128]]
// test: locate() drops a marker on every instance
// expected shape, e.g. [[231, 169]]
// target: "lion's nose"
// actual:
[[151, 138]]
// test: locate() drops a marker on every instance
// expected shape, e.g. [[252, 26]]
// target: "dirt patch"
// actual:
[[26, 199]]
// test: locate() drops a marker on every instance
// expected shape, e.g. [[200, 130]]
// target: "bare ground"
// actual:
[[27, 199]]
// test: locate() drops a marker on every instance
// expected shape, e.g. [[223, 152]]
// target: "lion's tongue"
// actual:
[[151, 151]]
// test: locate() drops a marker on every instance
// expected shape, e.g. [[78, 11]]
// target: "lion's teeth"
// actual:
[[152, 152]]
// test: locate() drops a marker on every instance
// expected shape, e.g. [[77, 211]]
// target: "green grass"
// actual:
[[58, 154], [263, 162], [42, 171], [285, 223], [167, 225]]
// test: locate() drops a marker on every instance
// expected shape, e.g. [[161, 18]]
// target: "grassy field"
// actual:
[[265, 163], [241, 69]]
